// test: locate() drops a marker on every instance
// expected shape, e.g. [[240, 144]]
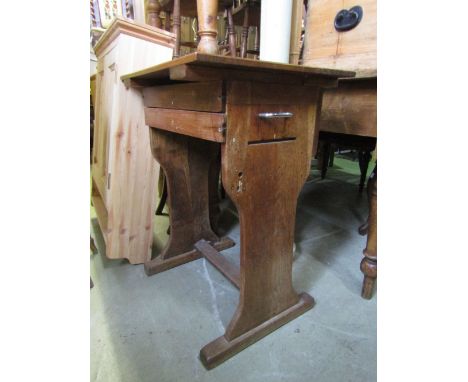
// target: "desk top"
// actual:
[[193, 67]]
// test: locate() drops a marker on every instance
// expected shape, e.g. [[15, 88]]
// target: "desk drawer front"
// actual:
[[197, 96], [350, 110], [197, 124], [266, 129], [286, 108]]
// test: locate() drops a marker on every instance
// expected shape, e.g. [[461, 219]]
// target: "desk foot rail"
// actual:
[[158, 264], [227, 269]]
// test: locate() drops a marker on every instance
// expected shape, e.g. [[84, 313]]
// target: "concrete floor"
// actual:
[[152, 328]]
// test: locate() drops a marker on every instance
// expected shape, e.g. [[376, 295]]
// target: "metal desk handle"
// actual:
[[281, 114]]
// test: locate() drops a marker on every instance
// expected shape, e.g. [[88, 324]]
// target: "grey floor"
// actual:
[[152, 328]]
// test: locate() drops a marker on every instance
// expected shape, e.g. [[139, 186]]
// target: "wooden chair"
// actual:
[[246, 13], [190, 8]]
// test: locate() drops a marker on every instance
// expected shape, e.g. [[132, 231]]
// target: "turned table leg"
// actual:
[[207, 26], [186, 163], [153, 8], [369, 262], [364, 159], [176, 28], [325, 159]]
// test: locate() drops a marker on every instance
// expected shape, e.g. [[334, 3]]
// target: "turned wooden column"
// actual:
[[152, 10], [245, 33], [176, 27], [93, 15], [231, 33], [364, 159], [369, 262], [207, 31], [128, 12], [167, 21], [257, 43]]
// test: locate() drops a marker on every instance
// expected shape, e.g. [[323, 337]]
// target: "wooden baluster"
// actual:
[[176, 27], [226, 49], [257, 42], [245, 33], [167, 21], [232, 33], [152, 10], [127, 9], [93, 15], [207, 11], [369, 262], [296, 29]]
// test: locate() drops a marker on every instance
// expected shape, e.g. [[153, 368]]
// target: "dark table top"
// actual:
[[163, 73]]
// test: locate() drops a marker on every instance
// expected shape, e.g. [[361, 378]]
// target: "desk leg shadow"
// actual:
[[187, 164]]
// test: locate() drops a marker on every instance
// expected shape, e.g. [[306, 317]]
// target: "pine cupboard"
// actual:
[[354, 49], [124, 173]]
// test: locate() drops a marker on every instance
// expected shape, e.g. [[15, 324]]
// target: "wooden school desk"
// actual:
[[262, 116]]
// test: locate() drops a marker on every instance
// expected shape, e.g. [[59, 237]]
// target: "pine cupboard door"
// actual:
[[106, 78], [354, 49]]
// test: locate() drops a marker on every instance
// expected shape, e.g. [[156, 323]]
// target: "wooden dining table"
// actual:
[[261, 118]]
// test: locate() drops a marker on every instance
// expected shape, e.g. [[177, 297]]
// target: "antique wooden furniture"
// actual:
[[328, 143], [369, 262], [354, 49], [262, 116], [123, 170], [205, 10], [341, 35], [241, 12], [245, 13], [349, 120], [296, 31]]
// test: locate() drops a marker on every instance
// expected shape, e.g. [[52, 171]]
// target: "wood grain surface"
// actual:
[[354, 50], [196, 124]]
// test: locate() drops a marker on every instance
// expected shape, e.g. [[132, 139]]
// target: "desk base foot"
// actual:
[[158, 264], [219, 350]]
